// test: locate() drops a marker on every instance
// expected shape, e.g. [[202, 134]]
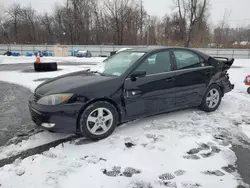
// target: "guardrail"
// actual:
[[98, 50]]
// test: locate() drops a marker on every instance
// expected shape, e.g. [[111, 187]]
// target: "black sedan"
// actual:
[[134, 83]]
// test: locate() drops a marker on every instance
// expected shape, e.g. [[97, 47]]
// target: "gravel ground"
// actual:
[[14, 113]]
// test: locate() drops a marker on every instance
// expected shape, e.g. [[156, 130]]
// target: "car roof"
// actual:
[[155, 49]]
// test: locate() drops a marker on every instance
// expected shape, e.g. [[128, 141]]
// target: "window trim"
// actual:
[[176, 71], [186, 50], [151, 54]]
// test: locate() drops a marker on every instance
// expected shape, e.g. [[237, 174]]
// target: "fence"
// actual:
[[97, 50]]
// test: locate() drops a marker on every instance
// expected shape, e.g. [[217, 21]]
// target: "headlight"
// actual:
[[55, 99]]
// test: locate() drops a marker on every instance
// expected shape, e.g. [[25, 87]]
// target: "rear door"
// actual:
[[192, 76], [154, 92]]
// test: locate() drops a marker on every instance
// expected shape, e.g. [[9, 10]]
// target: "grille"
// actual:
[[37, 97]]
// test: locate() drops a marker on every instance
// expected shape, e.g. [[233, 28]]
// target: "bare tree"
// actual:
[[1, 27], [117, 22], [240, 34], [190, 13], [47, 25], [99, 29], [182, 10], [220, 32], [248, 35], [118, 12], [28, 24], [196, 13], [13, 13]]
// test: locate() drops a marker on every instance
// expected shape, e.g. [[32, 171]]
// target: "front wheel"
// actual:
[[212, 99], [98, 120]]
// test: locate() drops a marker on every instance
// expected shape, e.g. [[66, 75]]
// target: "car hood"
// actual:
[[70, 82]]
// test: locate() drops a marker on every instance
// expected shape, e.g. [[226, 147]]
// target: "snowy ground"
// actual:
[[184, 149], [24, 59], [33, 79]]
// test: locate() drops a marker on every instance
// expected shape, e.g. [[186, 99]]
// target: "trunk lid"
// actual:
[[224, 63]]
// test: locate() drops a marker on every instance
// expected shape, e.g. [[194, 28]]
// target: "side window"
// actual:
[[156, 63], [185, 59]]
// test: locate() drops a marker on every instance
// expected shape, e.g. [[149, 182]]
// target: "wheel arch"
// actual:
[[97, 100], [217, 84]]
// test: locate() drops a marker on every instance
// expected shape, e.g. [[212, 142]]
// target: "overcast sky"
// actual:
[[240, 9]]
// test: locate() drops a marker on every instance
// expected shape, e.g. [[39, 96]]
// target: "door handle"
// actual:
[[169, 79], [133, 94]]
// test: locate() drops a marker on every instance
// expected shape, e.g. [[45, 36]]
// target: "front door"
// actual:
[[192, 76], [154, 92]]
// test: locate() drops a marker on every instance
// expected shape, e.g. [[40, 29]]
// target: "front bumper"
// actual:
[[63, 116]]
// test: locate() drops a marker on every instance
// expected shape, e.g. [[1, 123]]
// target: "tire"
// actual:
[[45, 66], [95, 126], [53, 66], [248, 90], [211, 104]]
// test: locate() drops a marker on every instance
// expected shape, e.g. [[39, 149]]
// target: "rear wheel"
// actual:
[[98, 120], [212, 99], [248, 90]]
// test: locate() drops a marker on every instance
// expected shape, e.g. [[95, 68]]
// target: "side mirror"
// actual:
[[137, 74]]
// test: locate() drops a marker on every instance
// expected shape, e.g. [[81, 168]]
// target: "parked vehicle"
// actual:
[[86, 53], [135, 83], [8, 53], [247, 83]]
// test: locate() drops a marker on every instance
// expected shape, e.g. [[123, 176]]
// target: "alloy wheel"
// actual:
[[99, 121], [213, 98]]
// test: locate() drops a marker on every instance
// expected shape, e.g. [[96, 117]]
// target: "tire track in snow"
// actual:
[[37, 150]]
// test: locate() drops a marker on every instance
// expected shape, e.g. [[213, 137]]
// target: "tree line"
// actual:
[[118, 22]]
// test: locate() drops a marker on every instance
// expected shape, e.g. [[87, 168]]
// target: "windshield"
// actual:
[[119, 63]]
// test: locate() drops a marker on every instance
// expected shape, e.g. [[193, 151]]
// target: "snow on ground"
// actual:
[[246, 129], [157, 152], [29, 79], [33, 141], [24, 59], [184, 149], [32, 79]]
